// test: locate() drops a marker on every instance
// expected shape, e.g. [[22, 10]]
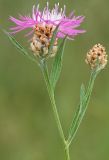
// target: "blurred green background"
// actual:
[[27, 127]]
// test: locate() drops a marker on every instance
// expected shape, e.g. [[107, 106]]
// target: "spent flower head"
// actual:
[[43, 23], [97, 57]]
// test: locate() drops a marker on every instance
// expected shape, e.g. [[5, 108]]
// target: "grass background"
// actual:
[[27, 127]]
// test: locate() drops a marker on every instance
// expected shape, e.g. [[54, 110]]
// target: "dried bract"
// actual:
[[97, 57], [41, 41]]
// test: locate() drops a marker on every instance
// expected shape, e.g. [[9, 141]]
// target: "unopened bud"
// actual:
[[97, 57]]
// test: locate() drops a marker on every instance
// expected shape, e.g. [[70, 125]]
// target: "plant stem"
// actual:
[[67, 153], [82, 108], [52, 99]]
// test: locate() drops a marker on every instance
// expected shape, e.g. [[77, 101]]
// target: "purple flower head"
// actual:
[[55, 17], [43, 24]]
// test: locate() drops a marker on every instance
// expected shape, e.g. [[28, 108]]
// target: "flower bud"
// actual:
[[97, 57]]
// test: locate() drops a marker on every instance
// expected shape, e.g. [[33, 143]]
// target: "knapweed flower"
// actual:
[[43, 23], [97, 57]]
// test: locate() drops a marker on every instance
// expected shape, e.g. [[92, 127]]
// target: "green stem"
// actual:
[[82, 108], [52, 99], [67, 152]]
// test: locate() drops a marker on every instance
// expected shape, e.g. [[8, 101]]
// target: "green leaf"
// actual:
[[80, 112], [57, 64], [53, 39], [19, 46]]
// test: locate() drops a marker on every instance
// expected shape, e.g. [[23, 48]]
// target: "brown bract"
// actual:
[[97, 56], [41, 41]]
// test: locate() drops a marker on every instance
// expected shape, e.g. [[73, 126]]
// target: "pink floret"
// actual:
[[67, 25]]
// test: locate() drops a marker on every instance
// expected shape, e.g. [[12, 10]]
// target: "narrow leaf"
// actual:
[[80, 112], [57, 64], [53, 39], [19, 46], [74, 123]]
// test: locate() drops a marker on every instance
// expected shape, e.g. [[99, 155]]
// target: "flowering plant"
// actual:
[[47, 28], [43, 25]]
